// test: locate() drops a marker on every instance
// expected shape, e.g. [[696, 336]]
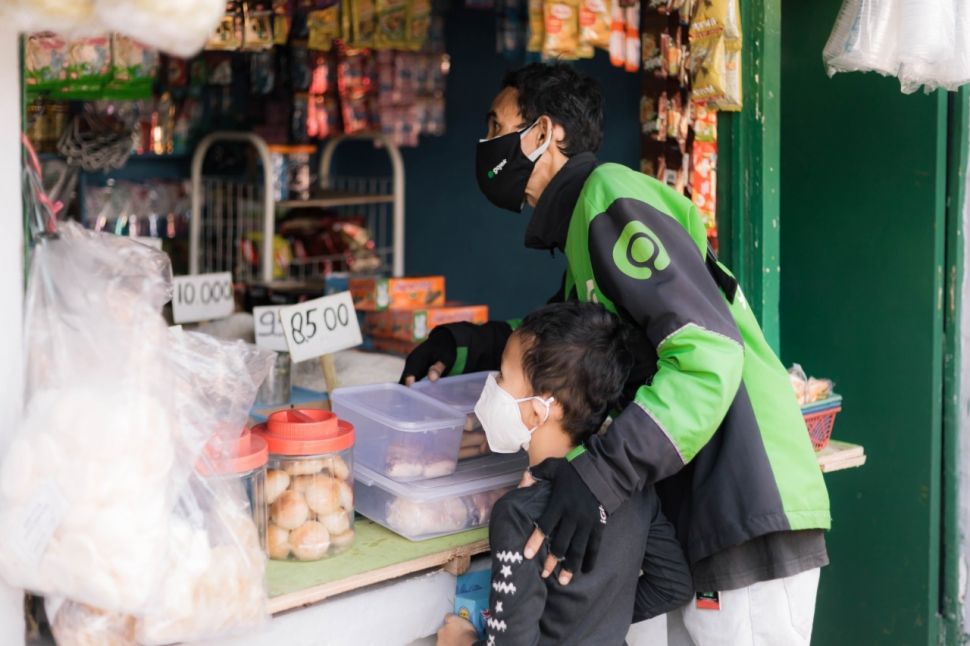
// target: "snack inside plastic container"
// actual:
[[309, 484], [404, 434], [460, 392]]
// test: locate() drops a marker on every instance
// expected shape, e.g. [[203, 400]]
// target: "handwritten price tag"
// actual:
[[203, 297], [321, 326], [269, 328]]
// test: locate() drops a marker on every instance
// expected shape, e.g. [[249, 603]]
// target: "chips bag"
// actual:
[[392, 22], [561, 29], [594, 23]]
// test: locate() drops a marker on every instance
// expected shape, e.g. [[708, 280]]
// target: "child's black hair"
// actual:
[[576, 353]]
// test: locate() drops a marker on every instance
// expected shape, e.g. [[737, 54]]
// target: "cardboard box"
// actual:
[[471, 598], [416, 325], [376, 294]]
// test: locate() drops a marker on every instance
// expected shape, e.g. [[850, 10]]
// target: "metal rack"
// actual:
[[228, 211]]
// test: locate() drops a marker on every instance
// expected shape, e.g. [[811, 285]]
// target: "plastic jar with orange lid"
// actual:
[[309, 484], [241, 463]]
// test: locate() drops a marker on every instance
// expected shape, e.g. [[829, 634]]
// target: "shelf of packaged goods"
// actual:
[[378, 555], [334, 200], [837, 456]]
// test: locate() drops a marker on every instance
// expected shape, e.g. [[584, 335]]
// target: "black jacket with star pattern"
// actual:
[[595, 608]]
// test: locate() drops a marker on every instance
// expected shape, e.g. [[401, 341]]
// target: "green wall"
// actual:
[[862, 186]]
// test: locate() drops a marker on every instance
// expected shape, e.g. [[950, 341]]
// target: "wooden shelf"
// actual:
[[377, 555], [837, 456], [333, 200]]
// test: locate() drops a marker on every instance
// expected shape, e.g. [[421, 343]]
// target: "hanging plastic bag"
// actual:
[[100, 499], [85, 487], [935, 50], [865, 38], [179, 27]]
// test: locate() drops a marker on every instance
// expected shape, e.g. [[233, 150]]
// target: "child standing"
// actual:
[[561, 372]]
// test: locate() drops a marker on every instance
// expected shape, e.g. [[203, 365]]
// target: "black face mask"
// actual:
[[503, 170]]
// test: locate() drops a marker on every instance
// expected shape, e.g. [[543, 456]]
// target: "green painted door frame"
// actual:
[[749, 167], [958, 133]]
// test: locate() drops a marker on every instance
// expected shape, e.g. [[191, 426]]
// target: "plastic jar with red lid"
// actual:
[[309, 484]]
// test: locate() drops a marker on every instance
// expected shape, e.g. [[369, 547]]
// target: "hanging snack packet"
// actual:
[[632, 45], [418, 25], [717, 74], [652, 53], [282, 20], [363, 22], [562, 29], [133, 66], [617, 36], [257, 26], [324, 27], [703, 181], [714, 18], [45, 61], [594, 23], [392, 22], [228, 35], [537, 31]]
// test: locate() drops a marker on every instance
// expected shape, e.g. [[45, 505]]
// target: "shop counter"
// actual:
[[837, 456], [389, 590]]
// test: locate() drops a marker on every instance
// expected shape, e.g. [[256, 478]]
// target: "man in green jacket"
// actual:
[[711, 420]]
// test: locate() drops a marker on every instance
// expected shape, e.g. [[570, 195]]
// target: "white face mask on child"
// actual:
[[499, 413]]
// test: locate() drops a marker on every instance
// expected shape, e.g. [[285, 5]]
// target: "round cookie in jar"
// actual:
[[309, 484]]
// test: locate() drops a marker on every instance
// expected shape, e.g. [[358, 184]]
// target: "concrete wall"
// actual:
[[11, 287]]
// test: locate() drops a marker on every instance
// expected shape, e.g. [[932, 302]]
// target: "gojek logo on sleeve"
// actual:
[[638, 252]]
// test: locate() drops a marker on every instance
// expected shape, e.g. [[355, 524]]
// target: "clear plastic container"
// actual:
[[429, 508], [241, 463], [404, 434], [309, 484], [461, 393]]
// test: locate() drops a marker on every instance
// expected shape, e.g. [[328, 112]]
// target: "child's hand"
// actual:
[[456, 632]]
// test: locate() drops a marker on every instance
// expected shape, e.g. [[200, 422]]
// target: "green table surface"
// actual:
[[375, 548]]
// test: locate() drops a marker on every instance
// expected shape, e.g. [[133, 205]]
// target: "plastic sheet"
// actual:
[[101, 502], [925, 43], [179, 27]]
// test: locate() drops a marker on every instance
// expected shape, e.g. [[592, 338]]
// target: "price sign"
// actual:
[[321, 326], [269, 328], [203, 297]]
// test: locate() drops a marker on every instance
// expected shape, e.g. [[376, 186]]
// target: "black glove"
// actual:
[[440, 346], [574, 519]]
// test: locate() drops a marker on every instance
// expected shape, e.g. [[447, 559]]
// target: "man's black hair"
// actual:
[[570, 99], [576, 353]]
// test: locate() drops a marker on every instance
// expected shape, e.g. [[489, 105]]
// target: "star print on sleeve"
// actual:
[[506, 571], [498, 607]]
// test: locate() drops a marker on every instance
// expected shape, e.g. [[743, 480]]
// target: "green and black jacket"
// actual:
[[714, 414]]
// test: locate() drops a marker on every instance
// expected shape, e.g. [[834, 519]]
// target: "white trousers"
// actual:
[[769, 613]]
